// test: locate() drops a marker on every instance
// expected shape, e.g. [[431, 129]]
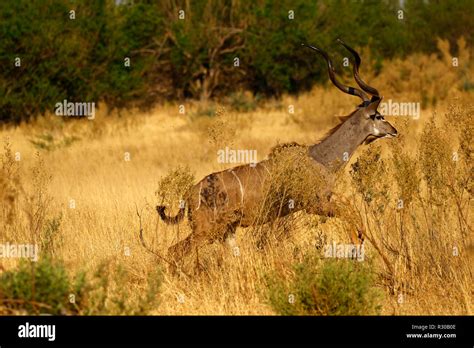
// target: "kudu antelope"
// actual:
[[222, 201]]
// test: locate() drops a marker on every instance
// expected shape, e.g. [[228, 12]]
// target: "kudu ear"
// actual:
[[371, 109]]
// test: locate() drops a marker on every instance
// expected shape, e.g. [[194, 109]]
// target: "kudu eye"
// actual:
[[376, 117]]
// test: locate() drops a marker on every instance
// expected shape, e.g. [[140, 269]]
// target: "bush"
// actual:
[[38, 287], [334, 287], [242, 102], [417, 218], [45, 287]]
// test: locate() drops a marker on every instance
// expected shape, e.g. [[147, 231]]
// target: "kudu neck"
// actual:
[[336, 150]]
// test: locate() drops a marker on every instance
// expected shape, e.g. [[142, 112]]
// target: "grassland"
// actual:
[[78, 184]]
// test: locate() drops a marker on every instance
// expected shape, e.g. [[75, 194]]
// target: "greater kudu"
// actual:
[[222, 201]]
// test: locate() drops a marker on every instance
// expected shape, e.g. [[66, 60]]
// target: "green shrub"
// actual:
[[329, 287], [45, 287], [38, 287], [242, 102]]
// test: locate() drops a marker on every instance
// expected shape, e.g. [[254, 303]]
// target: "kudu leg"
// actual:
[[229, 236], [202, 233], [186, 246], [328, 209]]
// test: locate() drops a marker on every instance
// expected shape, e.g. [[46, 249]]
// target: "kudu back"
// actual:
[[225, 200]]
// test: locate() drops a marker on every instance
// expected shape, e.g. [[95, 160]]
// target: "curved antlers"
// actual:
[[357, 62], [332, 76]]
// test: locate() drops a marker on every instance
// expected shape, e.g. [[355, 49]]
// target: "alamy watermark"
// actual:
[[229, 155], [77, 109], [394, 108], [27, 251], [28, 330], [344, 251]]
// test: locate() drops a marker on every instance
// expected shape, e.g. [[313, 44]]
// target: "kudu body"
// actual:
[[225, 200]]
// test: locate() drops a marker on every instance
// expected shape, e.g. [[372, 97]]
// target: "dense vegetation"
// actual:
[[81, 55], [46, 287], [332, 287]]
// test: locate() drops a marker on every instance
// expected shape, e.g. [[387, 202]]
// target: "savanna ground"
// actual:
[[78, 184]]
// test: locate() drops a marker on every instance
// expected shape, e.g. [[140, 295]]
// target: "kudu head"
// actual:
[[366, 118]]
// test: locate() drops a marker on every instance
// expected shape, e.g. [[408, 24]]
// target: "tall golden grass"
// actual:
[[74, 187]]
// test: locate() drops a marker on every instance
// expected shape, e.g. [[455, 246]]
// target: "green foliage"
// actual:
[[332, 287], [38, 287], [82, 59], [46, 141], [242, 102], [45, 287], [77, 59]]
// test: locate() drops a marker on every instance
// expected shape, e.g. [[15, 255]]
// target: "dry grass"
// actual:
[[92, 189]]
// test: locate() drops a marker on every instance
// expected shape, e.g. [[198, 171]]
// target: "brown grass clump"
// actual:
[[419, 222], [10, 185], [21, 201], [294, 182], [428, 78], [294, 176], [221, 132], [173, 187]]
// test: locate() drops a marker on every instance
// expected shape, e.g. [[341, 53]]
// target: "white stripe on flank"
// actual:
[[264, 166], [200, 189], [241, 187]]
